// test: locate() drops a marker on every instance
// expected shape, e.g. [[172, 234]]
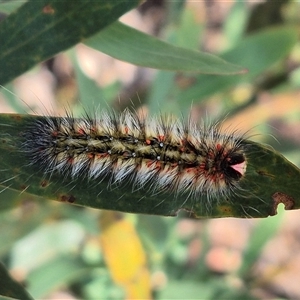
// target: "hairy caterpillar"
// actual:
[[160, 152]]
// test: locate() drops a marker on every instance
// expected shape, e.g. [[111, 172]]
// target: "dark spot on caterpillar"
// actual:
[[67, 198]]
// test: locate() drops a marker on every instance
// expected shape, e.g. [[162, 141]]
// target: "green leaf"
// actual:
[[10, 288], [269, 180], [8, 7], [14, 227], [239, 14], [210, 288], [41, 29], [58, 237], [176, 289], [257, 53], [54, 274], [260, 236], [161, 91], [89, 91], [128, 44]]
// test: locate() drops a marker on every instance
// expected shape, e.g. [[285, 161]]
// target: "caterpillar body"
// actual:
[[161, 153]]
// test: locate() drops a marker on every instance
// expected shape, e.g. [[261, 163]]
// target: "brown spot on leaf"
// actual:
[[16, 117], [24, 187], [44, 183], [225, 210], [67, 198], [48, 9], [264, 173], [278, 198]]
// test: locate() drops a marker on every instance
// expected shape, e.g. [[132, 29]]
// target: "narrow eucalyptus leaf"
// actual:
[[269, 180]]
